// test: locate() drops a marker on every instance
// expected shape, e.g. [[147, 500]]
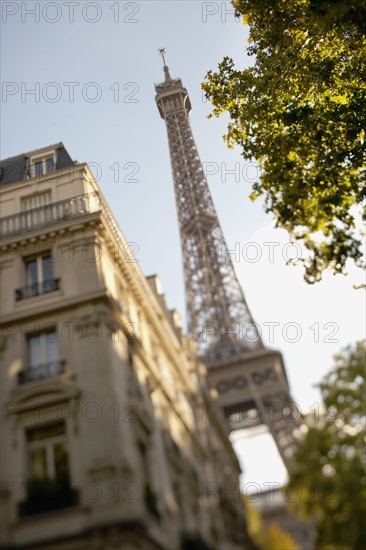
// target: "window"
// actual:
[[43, 354], [36, 210], [150, 496], [39, 166], [48, 452], [145, 470], [50, 165], [43, 359], [48, 475], [35, 200], [38, 277], [39, 270]]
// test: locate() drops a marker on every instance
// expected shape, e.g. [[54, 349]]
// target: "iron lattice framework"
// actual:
[[219, 319], [218, 314]]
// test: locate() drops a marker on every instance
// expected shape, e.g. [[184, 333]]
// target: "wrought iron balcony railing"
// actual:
[[37, 289], [39, 372], [49, 214], [46, 495]]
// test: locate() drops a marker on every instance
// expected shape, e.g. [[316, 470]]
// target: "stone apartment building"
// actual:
[[110, 437]]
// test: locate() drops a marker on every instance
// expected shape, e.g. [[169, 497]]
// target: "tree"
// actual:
[[328, 473], [300, 111], [267, 537]]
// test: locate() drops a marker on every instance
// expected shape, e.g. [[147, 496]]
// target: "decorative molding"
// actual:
[[43, 393]]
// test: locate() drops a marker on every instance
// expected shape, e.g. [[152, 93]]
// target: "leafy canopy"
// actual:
[[267, 535], [329, 469], [300, 111]]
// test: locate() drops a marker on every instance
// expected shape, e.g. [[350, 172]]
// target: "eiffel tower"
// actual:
[[250, 379]]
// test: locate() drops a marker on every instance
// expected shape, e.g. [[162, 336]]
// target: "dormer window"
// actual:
[[38, 168], [41, 165]]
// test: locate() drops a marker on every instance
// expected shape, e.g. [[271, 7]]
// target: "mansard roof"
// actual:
[[15, 169]]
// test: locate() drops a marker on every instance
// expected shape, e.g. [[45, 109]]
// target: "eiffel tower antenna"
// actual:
[[162, 52]]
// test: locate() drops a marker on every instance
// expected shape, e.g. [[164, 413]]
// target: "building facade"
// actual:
[[110, 435]]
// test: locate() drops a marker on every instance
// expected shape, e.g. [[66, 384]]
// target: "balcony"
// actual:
[[46, 495], [49, 214], [40, 372], [37, 289], [194, 541], [68, 209]]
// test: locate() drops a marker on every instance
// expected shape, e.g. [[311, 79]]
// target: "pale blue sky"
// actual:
[[116, 50]]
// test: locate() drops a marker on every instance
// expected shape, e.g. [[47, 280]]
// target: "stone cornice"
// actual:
[[56, 230], [52, 307]]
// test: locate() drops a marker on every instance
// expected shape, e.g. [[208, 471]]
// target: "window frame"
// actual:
[[45, 360], [49, 444], [42, 160], [48, 475], [38, 276], [38, 258]]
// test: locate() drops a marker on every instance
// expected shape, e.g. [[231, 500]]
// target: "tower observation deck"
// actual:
[[246, 375]]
